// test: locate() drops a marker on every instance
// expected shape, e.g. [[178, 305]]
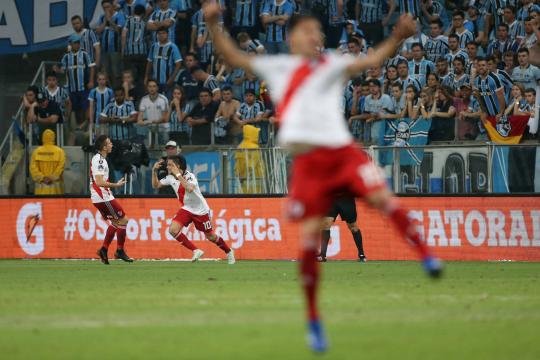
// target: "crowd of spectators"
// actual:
[[146, 71]]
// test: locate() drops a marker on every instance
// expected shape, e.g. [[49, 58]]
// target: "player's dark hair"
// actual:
[[437, 22], [205, 90], [139, 10], [250, 92], [460, 59], [417, 44], [353, 41], [490, 58], [105, 2], [193, 55], [511, 8], [300, 18], [151, 80], [76, 17], [403, 62], [100, 142], [453, 36], [504, 26], [529, 18], [481, 58], [162, 29], [179, 160], [442, 60], [119, 88], [531, 91], [374, 82], [226, 88], [523, 50], [458, 13], [33, 88], [50, 73], [472, 43]]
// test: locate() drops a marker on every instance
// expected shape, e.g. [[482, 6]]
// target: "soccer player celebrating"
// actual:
[[104, 201], [194, 207], [307, 87]]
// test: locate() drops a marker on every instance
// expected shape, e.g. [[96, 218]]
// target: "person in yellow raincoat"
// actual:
[[249, 166], [47, 166]]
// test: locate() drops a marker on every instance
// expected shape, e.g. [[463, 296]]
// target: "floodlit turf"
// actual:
[[253, 310]]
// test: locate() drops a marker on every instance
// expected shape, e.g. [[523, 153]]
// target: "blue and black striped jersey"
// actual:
[[160, 15], [99, 99], [163, 58], [77, 66], [135, 30], [110, 37], [120, 131], [487, 87], [246, 13], [275, 32]]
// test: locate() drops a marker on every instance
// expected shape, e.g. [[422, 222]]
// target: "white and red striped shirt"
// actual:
[[194, 201], [99, 166], [308, 95]]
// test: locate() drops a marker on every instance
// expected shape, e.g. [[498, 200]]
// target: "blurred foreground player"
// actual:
[[104, 201], [194, 207], [307, 87], [345, 207]]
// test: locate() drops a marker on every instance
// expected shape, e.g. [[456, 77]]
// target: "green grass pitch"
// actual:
[[253, 310]]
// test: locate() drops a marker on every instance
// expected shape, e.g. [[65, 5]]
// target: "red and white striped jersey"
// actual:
[[309, 97], [194, 202], [99, 166]]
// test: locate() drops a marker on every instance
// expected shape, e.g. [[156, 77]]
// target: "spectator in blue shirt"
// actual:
[[162, 17], [245, 15], [80, 77], [89, 41], [275, 17], [374, 17], [489, 90], [134, 44], [164, 62], [110, 26]]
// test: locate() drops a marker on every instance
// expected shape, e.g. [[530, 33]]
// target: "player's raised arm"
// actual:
[[155, 181], [405, 27], [223, 43]]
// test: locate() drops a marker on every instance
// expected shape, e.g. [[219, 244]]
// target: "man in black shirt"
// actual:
[[47, 114], [186, 81], [201, 117]]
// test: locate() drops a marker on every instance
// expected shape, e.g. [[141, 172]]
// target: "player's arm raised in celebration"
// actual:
[[156, 184], [223, 43], [405, 27], [101, 182]]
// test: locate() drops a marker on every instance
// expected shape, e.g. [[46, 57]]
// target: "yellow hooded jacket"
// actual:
[[249, 166], [48, 161]]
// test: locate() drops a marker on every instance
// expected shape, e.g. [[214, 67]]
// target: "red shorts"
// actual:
[[201, 222], [111, 210], [318, 176]]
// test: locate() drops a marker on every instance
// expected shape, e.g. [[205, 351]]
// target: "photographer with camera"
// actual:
[[171, 149]]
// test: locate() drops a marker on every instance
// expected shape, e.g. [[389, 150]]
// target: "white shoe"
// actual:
[[230, 258], [197, 254]]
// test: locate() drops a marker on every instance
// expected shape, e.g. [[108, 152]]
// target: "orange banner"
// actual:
[[489, 228]]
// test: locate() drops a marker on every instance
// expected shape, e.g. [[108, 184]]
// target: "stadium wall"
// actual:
[[458, 228]]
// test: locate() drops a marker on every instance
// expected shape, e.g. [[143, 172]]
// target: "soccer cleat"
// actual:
[[230, 258], [433, 266], [121, 254], [321, 258], [362, 259], [197, 254], [316, 338], [102, 253]]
